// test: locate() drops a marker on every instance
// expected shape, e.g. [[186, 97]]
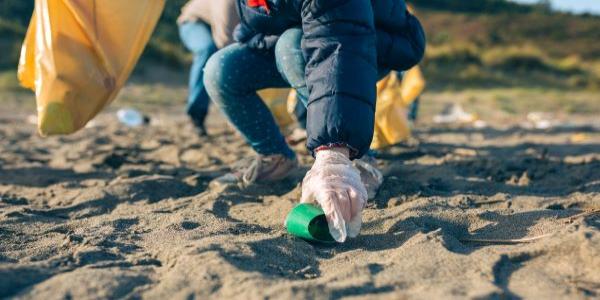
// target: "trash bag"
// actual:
[[391, 115], [413, 84], [77, 55], [276, 100], [292, 101]]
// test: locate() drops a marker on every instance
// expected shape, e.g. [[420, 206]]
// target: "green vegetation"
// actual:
[[486, 6], [511, 47], [471, 44]]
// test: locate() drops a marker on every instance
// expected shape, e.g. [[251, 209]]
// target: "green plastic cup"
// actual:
[[308, 222]]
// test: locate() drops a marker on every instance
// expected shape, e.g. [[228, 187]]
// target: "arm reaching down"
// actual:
[[339, 45], [341, 72]]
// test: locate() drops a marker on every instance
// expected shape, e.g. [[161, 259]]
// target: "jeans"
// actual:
[[197, 38], [232, 76], [413, 110], [290, 63]]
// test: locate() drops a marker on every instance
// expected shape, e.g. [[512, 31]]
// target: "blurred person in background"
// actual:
[[204, 27]]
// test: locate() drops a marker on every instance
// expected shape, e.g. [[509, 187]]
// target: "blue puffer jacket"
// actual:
[[345, 42]]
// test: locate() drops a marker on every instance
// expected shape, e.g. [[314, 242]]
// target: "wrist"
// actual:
[[324, 150]]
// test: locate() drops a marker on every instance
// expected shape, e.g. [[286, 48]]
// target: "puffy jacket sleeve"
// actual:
[[339, 45], [403, 47]]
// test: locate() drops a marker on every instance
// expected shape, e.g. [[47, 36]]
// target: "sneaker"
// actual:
[[371, 177], [260, 169]]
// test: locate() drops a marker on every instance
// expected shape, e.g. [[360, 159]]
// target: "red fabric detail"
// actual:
[[259, 3], [353, 151], [330, 146]]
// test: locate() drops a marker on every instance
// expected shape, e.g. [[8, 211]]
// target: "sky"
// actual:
[[576, 6]]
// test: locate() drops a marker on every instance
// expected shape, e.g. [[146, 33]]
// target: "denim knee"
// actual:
[[214, 76], [222, 78], [289, 58], [212, 73]]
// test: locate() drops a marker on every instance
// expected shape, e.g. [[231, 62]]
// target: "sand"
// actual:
[[112, 212]]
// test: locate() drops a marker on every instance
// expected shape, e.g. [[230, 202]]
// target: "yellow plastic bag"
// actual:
[[276, 100], [391, 123], [292, 100], [413, 84], [393, 98], [78, 54]]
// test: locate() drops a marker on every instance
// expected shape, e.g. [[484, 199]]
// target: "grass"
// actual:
[[460, 65], [507, 49]]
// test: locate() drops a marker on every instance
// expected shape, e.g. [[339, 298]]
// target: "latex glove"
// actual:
[[370, 176], [335, 185]]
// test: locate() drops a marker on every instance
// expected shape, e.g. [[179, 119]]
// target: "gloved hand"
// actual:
[[335, 185], [370, 176]]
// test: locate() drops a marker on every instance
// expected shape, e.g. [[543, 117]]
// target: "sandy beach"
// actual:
[[110, 212]]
